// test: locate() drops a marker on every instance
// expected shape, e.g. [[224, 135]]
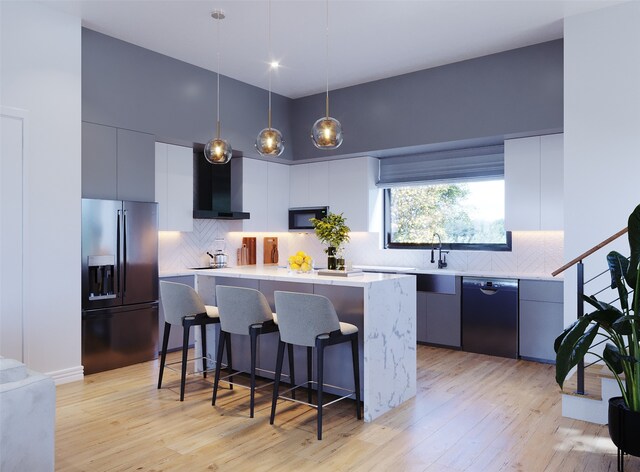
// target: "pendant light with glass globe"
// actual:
[[327, 131], [269, 141], [218, 151]]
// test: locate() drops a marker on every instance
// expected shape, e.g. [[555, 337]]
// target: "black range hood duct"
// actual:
[[212, 188]]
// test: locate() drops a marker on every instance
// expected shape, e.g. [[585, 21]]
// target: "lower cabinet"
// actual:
[[175, 337], [439, 310], [541, 314], [541, 318]]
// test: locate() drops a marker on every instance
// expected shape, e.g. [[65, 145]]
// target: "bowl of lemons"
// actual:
[[300, 262]]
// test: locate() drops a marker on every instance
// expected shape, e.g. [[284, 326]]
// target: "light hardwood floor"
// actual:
[[471, 413]]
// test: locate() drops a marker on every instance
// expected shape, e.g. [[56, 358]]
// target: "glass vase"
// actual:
[[331, 258]]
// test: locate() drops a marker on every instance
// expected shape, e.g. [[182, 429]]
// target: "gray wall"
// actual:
[[130, 87], [473, 102], [512, 93]]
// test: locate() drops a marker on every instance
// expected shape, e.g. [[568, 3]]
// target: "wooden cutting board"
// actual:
[[270, 250], [251, 246]]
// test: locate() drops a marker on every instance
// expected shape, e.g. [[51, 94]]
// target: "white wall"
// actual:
[[601, 133], [41, 73]]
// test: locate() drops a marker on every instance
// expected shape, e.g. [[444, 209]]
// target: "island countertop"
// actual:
[[364, 279], [381, 306]]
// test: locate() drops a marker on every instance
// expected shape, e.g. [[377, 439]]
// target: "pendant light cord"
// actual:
[[327, 58], [218, 86], [270, 64]]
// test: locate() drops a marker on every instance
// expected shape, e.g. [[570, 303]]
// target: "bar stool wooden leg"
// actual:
[[320, 374], [216, 381], [276, 384], [203, 335], [356, 372], [185, 348], [163, 354], [309, 372]]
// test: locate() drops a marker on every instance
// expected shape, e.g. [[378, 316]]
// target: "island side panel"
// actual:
[[389, 345]]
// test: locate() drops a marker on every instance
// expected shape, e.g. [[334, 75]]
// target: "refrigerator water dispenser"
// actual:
[[101, 270]]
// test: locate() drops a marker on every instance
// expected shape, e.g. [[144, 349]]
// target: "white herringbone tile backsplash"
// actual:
[[180, 250], [535, 252]]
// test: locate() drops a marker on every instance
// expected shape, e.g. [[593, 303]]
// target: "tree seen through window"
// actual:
[[461, 213]]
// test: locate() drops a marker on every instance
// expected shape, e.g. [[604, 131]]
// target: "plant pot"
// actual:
[[331, 258], [624, 425]]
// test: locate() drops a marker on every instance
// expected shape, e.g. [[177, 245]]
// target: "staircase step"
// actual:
[[592, 382]]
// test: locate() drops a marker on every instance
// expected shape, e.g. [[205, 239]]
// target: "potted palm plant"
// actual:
[[620, 328], [333, 231]]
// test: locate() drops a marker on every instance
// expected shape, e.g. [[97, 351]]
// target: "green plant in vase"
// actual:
[[332, 231]]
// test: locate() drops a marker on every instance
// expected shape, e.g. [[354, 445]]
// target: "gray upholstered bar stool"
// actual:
[[243, 311], [311, 320], [182, 306]]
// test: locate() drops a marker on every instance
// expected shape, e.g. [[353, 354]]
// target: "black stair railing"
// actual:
[[580, 290]]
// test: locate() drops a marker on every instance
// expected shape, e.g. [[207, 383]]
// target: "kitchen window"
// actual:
[[466, 215], [458, 194]]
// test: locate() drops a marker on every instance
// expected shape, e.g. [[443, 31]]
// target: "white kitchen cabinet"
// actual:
[[255, 190], [346, 185], [278, 197], [533, 173], [552, 182], [309, 185], [352, 191], [265, 195], [174, 187]]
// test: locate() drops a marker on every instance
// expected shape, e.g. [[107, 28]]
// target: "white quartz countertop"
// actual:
[[463, 273], [177, 273], [364, 279], [271, 271]]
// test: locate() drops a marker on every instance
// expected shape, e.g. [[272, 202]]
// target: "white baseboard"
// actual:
[[63, 376]]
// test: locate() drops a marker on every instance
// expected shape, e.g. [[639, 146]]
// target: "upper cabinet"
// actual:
[[533, 174], [352, 191], [174, 187], [265, 195], [346, 185], [309, 185], [117, 164], [552, 182]]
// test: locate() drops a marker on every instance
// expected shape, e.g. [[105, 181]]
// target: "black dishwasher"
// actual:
[[490, 316]]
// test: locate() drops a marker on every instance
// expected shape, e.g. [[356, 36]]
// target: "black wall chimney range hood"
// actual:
[[212, 192]]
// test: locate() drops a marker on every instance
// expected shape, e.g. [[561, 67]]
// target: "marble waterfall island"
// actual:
[[383, 306]]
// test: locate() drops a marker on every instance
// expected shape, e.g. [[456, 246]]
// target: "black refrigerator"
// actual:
[[119, 283]]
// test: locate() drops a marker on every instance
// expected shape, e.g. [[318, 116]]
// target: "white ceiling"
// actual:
[[368, 39]]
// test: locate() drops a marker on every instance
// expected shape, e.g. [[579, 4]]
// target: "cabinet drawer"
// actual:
[[542, 290]]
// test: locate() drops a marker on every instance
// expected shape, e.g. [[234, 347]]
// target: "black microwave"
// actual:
[[299, 218]]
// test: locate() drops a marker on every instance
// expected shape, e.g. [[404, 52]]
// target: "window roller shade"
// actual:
[[455, 165]]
